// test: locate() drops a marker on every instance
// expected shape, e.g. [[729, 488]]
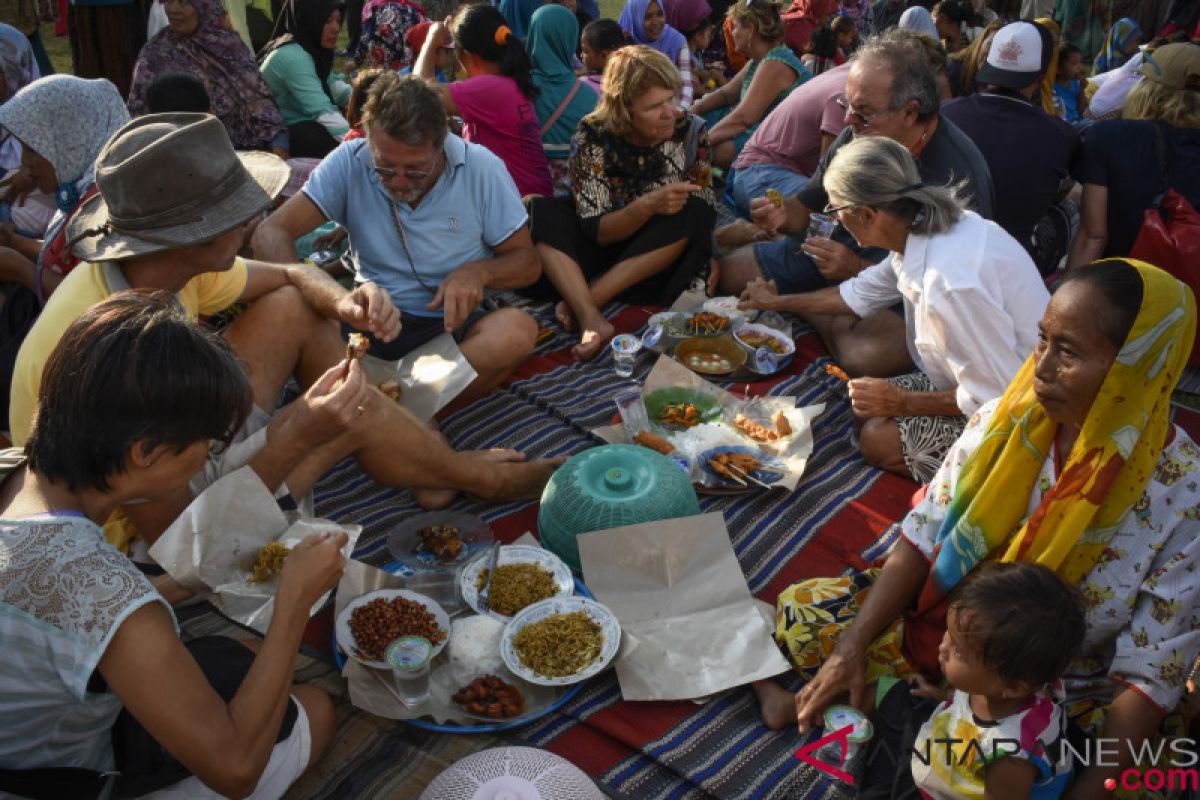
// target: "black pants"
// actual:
[[554, 223], [309, 139], [887, 772]]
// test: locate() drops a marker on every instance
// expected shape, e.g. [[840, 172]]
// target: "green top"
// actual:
[[780, 52], [292, 76]]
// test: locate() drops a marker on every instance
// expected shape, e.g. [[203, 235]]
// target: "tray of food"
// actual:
[[438, 540], [524, 575]]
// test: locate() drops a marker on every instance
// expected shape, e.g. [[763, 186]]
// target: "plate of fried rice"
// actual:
[[524, 575], [560, 641]]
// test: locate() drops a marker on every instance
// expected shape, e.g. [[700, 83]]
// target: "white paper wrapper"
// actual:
[[793, 451], [212, 547], [431, 376], [690, 624]]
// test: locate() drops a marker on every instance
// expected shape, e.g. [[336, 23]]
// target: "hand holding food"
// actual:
[[776, 197], [312, 568], [268, 562]]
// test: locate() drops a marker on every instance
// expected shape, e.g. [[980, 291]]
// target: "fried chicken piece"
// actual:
[[837, 372], [782, 426], [356, 346]]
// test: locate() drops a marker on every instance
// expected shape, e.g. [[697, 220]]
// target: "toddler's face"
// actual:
[[962, 666], [1073, 67]]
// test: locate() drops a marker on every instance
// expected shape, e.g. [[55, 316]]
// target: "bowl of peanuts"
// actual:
[[368, 624]]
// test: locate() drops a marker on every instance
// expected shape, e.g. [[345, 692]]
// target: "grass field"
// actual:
[[59, 48]]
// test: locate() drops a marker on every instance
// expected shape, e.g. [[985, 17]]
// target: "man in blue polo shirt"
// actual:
[[433, 220]]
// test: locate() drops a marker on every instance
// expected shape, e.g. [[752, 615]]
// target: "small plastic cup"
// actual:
[[625, 349], [409, 658], [836, 718], [633, 411], [820, 226]]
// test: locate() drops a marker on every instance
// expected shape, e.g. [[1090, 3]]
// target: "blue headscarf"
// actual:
[[632, 17], [1112, 54], [518, 13]]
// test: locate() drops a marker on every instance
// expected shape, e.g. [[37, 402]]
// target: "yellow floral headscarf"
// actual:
[[1047, 87], [1102, 477]]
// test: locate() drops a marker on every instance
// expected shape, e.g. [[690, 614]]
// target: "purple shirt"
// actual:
[[791, 134]]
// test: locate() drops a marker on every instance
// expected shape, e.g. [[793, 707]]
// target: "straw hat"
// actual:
[[169, 181]]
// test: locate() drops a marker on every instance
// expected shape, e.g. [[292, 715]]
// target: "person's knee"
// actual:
[[862, 356], [509, 335], [738, 269], [322, 718], [879, 442]]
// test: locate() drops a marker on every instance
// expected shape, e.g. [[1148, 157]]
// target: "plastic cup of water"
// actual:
[[409, 658], [820, 226], [633, 411], [625, 349]]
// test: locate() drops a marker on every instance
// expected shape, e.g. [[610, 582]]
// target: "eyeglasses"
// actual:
[[830, 209], [863, 119], [410, 174]]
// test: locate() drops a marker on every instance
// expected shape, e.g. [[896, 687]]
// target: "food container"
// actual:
[[768, 350], [710, 356]]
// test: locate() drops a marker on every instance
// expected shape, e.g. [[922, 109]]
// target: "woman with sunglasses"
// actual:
[[971, 296]]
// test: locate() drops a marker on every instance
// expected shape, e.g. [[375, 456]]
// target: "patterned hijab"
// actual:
[[19, 69], [552, 36], [1112, 54], [633, 17], [384, 38], [302, 22], [216, 55], [66, 120], [1101, 478]]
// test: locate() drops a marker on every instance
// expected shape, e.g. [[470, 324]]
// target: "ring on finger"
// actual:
[[359, 411]]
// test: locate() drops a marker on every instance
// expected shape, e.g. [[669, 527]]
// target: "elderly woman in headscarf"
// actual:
[[1122, 42], [384, 39], [1076, 467], [645, 22], [297, 64], [21, 204], [62, 123], [562, 99], [200, 40]]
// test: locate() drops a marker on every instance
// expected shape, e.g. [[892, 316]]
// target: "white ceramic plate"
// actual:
[[513, 554], [610, 629], [345, 638]]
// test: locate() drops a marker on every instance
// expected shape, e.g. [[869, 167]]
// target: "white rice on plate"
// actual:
[[474, 648]]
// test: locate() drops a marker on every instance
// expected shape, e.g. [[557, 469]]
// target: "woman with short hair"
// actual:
[[770, 75], [96, 677], [643, 208], [972, 299]]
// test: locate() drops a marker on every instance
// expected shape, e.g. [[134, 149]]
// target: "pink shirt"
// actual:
[[791, 134], [496, 115]]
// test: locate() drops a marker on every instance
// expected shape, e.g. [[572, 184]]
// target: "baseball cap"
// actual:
[[1176, 66], [416, 38], [1018, 56]]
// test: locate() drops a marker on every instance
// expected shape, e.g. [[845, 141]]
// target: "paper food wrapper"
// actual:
[[431, 376], [372, 690], [212, 547], [793, 450], [690, 624]]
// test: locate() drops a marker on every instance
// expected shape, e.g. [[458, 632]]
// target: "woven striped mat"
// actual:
[[838, 519]]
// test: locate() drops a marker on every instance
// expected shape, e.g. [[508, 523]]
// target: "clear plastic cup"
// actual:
[[625, 349], [409, 658], [633, 411], [820, 226]]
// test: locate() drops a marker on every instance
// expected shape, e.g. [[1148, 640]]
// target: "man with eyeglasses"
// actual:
[[891, 90], [433, 220]]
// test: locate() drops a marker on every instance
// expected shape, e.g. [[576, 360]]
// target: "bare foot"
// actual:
[[592, 339], [434, 499], [524, 480], [564, 315], [777, 703]]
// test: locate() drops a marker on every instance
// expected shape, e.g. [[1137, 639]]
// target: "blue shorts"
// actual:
[[753, 181], [791, 268]]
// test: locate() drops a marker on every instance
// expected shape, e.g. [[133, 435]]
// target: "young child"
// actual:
[[1012, 630], [601, 38], [704, 79], [822, 52], [1068, 83], [415, 39]]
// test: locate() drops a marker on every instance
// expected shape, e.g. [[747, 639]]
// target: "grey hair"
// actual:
[[880, 173], [914, 76], [407, 109]]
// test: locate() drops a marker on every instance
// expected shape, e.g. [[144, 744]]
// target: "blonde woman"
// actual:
[[972, 300], [638, 226], [1127, 161], [770, 75]]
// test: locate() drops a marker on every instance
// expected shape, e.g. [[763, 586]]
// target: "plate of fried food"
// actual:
[[438, 540], [525, 575], [368, 624], [678, 408], [743, 467], [560, 641]]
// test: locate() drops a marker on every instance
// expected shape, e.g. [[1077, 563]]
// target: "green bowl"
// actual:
[[710, 409]]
